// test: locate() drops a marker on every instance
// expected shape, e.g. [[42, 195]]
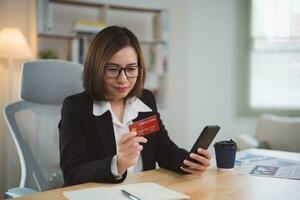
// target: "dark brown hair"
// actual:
[[103, 46]]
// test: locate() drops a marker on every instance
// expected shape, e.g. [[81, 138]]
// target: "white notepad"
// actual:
[[145, 191]]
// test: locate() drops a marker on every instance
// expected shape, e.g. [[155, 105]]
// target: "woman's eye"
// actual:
[[131, 68], [112, 69]]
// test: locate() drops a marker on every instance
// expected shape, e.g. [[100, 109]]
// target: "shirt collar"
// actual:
[[132, 108]]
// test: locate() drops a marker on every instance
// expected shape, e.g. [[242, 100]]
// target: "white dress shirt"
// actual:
[[132, 108]]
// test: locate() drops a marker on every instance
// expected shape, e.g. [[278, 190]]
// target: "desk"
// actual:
[[212, 184]]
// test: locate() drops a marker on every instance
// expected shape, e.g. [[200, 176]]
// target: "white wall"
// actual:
[[176, 117], [203, 75]]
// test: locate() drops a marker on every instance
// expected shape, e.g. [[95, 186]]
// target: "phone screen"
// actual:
[[204, 140]]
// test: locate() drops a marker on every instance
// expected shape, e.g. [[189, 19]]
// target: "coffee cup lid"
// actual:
[[226, 144]]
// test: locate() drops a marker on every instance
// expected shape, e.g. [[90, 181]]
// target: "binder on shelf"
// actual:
[[44, 20], [75, 50], [40, 15], [79, 48]]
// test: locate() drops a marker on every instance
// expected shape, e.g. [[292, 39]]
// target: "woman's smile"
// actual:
[[121, 89]]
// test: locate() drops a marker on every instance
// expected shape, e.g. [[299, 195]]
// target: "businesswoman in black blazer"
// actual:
[[95, 143]]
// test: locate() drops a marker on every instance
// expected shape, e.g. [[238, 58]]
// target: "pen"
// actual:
[[130, 196]]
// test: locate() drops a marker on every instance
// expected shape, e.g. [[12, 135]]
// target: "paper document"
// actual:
[[144, 191], [260, 165]]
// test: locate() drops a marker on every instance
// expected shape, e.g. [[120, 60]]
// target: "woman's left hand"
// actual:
[[203, 157]]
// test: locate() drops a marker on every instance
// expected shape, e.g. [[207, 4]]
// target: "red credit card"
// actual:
[[145, 126]]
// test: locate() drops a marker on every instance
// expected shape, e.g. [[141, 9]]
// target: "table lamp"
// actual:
[[13, 45]]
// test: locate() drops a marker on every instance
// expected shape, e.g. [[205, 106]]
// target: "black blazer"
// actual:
[[87, 143]]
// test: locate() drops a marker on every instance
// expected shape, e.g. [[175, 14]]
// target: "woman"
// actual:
[[95, 143]]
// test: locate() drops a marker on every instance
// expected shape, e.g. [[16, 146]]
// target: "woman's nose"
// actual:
[[122, 76]]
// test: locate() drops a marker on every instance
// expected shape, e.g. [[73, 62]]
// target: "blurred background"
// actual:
[[222, 62]]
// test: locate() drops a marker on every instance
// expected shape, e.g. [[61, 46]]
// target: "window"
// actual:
[[275, 55]]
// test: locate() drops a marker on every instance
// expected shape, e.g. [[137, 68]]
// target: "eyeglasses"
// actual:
[[114, 71]]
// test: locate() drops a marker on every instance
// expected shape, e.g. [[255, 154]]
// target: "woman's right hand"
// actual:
[[129, 149]]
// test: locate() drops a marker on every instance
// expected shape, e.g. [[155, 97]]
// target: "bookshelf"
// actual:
[[60, 22]]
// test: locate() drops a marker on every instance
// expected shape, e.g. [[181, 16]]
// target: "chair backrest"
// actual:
[[33, 120], [280, 133]]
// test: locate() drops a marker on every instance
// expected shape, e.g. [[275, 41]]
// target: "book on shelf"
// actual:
[[89, 27]]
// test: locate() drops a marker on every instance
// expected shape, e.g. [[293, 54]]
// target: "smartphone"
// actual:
[[204, 140]]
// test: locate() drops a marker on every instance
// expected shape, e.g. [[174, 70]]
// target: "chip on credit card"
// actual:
[[145, 126]]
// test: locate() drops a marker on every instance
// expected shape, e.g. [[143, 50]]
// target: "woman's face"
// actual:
[[119, 87]]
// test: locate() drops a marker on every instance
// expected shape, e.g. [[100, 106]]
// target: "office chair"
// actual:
[[273, 132], [33, 121]]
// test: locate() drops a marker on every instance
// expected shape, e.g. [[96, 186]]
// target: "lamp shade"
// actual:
[[13, 44]]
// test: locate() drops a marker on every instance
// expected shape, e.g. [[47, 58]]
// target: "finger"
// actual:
[[204, 161], [134, 155], [126, 136], [134, 140], [138, 139], [191, 171], [195, 166], [128, 145], [204, 152], [130, 159], [133, 148]]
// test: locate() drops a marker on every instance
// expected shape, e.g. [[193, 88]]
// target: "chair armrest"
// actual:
[[55, 181], [246, 142], [18, 192]]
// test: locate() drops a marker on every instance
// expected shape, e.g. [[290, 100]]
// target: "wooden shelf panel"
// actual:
[[125, 8], [78, 3], [102, 5], [153, 42], [70, 36], [63, 36]]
